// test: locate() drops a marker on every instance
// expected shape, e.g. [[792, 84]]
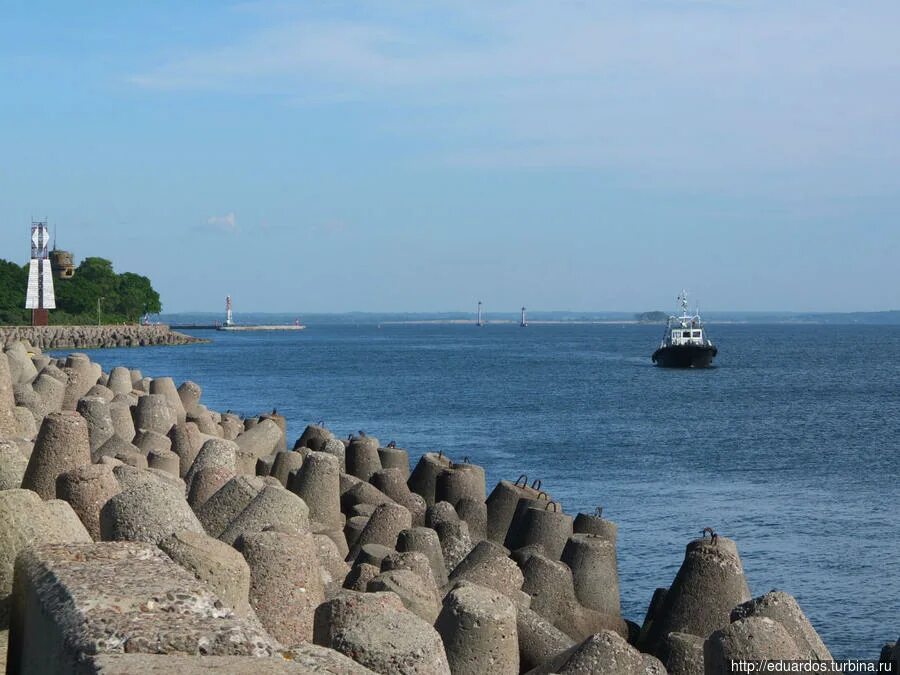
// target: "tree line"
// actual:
[[123, 298]]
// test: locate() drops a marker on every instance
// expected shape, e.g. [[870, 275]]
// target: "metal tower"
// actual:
[[229, 321], [524, 322], [478, 320], [40, 297]]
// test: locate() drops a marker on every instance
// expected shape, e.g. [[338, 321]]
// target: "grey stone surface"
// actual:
[[395, 458], [392, 483], [539, 640], [682, 654], [604, 653], [314, 437], [120, 380], [423, 479], [12, 465], [755, 638], [147, 512], [65, 522], [417, 595], [215, 563], [154, 412], [595, 524], [206, 482], [95, 411], [87, 488], [62, 444], [261, 440], [592, 560], [709, 584], [379, 634], [165, 386], [164, 460], [299, 660], [286, 463], [545, 527], [362, 457], [425, 540], [384, 525], [285, 582], [489, 565], [783, 608], [186, 443], [65, 607], [227, 503], [318, 484], [478, 629], [271, 507], [149, 441], [122, 421]]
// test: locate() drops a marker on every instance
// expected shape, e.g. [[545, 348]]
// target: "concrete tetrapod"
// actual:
[[709, 584], [423, 479], [478, 628], [147, 512], [784, 609], [87, 488], [592, 560], [318, 484], [285, 582], [62, 444], [214, 562], [752, 639], [389, 641]]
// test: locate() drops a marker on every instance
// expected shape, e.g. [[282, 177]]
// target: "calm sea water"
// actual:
[[789, 446]]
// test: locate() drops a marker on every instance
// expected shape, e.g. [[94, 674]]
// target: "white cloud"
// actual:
[[678, 86], [226, 223]]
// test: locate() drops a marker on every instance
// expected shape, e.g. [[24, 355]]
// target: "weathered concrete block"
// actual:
[[66, 609], [783, 608], [416, 594], [362, 457], [423, 479], [425, 540], [478, 629], [261, 440], [215, 563], [539, 640], [299, 660], [87, 488], [165, 386], [755, 638], [96, 412], [489, 565], [592, 560], [378, 632], [682, 654], [271, 507], [154, 412], [384, 525], [147, 512], [12, 465], [318, 484], [227, 503], [604, 653], [708, 585], [62, 444], [285, 582]]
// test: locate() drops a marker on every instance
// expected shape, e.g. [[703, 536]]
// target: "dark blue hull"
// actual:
[[685, 356]]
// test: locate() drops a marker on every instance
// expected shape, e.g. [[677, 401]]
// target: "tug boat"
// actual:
[[685, 344]]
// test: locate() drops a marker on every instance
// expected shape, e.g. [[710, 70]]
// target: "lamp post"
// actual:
[[99, 300]]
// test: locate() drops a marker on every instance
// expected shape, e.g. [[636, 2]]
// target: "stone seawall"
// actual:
[[90, 337]]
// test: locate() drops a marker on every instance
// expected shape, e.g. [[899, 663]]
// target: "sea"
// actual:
[[789, 445]]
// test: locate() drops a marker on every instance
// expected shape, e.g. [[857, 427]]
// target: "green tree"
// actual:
[[123, 297]]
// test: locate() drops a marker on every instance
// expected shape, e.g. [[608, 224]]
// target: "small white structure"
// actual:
[[40, 297]]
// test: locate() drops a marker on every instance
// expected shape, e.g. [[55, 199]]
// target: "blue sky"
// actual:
[[380, 156]]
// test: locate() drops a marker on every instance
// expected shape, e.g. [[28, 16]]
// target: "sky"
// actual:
[[413, 156]]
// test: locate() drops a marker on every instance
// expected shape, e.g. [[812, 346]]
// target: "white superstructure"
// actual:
[[40, 276]]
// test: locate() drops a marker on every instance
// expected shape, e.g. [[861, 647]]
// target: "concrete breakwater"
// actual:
[[90, 337], [141, 531]]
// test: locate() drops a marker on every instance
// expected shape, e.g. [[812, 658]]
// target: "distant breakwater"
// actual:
[[92, 337]]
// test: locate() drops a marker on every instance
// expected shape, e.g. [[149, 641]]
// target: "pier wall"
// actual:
[[90, 337]]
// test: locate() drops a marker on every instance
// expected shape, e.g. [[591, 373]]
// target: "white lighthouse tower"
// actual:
[[479, 321], [229, 320], [524, 322], [40, 297]]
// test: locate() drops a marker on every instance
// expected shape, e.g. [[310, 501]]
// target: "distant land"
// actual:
[[891, 317]]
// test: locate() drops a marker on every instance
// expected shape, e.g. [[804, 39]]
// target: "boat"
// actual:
[[685, 344], [524, 322]]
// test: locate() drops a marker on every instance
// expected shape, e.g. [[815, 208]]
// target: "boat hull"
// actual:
[[685, 356]]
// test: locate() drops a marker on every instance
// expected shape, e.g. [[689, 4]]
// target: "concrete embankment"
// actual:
[[142, 532], [91, 337]]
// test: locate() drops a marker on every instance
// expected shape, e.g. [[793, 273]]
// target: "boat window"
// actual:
[[686, 334], [696, 333]]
